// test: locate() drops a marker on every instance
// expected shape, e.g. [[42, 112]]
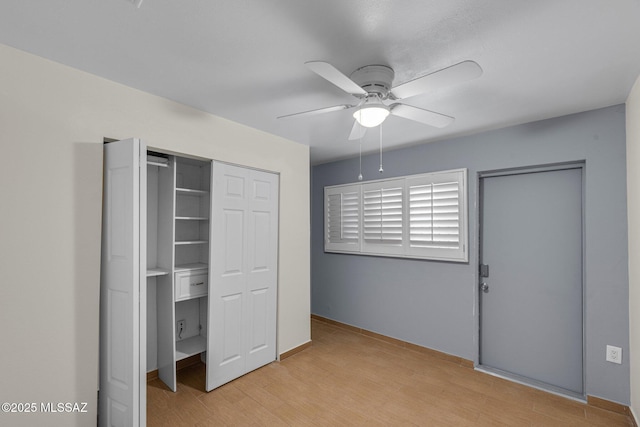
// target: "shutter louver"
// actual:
[[334, 218], [350, 217]]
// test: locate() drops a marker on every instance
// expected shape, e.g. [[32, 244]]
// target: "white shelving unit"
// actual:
[[178, 205], [191, 243], [159, 250]]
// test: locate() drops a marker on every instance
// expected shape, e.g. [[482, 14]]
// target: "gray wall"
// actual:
[[434, 304]]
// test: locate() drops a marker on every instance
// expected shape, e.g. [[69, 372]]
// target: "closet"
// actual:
[[189, 268], [178, 206]]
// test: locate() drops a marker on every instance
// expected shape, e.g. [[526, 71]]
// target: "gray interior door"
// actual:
[[531, 312]]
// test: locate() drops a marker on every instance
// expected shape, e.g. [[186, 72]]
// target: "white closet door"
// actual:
[[243, 273], [120, 376], [225, 354], [262, 274]]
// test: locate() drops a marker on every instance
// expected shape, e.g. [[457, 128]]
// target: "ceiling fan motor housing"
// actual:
[[375, 79]]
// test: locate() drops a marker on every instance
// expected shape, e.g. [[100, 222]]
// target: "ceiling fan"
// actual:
[[371, 85]]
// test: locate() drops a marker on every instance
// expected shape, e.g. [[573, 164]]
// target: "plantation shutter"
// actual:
[[436, 213], [342, 218], [417, 216], [382, 213]]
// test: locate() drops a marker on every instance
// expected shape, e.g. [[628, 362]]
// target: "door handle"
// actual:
[[484, 287]]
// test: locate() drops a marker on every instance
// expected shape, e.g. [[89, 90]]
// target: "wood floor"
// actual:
[[349, 379]]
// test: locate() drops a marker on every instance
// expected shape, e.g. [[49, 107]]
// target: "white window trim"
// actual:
[[404, 249]]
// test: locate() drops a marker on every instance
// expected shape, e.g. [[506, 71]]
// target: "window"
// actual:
[[417, 216]]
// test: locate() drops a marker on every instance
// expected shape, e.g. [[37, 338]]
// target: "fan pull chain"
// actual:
[[380, 170], [360, 175]]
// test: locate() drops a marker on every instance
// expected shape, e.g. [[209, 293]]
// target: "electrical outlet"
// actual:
[[614, 354], [181, 326]]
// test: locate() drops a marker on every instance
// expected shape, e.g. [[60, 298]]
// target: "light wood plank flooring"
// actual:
[[349, 379]]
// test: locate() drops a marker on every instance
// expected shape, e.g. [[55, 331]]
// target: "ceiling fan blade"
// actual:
[[420, 115], [318, 111], [357, 131], [333, 75], [458, 73]]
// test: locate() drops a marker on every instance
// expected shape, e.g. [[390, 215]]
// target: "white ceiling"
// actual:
[[244, 59]]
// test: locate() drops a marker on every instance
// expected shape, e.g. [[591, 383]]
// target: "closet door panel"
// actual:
[[259, 290], [261, 229], [120, 350], [227, 289], [231, 349], [233, 232], [243, 287], [258, 307], [262, 275], [230, 289]]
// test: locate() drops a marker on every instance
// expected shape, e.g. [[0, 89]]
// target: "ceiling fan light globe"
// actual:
[[371, 116]]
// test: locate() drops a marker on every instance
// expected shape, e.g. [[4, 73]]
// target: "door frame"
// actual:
[[477, 279]]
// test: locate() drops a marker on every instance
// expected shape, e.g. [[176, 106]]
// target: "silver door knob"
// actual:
[[484, 287]]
